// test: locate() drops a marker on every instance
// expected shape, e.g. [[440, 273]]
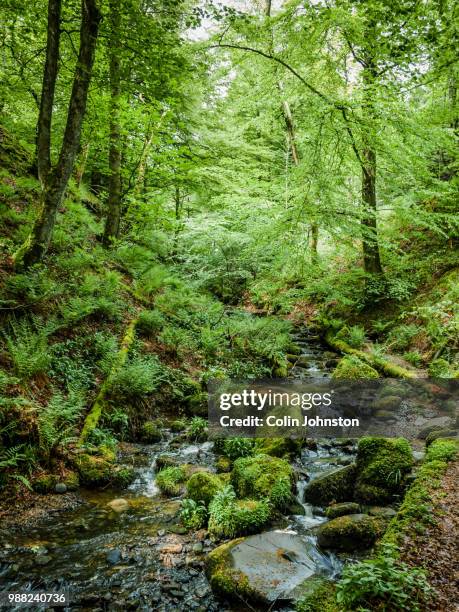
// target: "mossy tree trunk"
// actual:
[[55, 180]]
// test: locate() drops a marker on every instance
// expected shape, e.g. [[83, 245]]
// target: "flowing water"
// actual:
[[135, 554]]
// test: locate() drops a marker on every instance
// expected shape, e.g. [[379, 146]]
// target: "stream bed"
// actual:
[[121, 550]]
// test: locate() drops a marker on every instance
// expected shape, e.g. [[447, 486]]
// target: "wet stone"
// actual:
[[113, 556]]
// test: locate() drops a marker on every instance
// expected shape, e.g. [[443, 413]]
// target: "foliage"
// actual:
[[170, 480], [139, 376], [238, 447], [28, 348], [197, 430], [384, 583], [57, 420], [229, 517], [193, 514]]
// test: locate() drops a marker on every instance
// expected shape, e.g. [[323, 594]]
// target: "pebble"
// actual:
[[198, 547], [118, 505], [113, 556], [60, 488]]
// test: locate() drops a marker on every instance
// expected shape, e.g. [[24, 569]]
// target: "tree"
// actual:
[[54, 180]]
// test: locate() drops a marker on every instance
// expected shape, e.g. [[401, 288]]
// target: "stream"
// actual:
[[134, 554]]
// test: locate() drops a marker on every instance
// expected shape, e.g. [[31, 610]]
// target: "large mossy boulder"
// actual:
[[279, 447], [342, 509], [150, 432], [350, 532], [353, 368], [203, 486], [264, 477], [336, 486], [382, 466], [94, 470], [262, 569]]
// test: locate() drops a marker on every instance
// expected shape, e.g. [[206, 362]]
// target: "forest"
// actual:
[[201, 190]]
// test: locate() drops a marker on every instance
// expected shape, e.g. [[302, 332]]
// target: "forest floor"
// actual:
[[437, 549], [29, 509]]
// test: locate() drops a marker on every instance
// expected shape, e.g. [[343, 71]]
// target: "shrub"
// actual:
[[198, 429], [383, 583], [170, 480], [354, 335], [230, 517], [440, 368], [150, 432], [193, 515], [202, 487], [413, 357], [238, 447], [400, 337]]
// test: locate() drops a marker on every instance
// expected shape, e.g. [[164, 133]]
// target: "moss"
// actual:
[[279, 447], [223, 465], [197, 404], [382, 465], [93, 470], [71, 481], [122, 477], [164, 461], [93, 416], [203, 486], [263, 476], [416, 511], [440, 368], [350, 532], [170, 480], [389, 402], [342, 509], [353, 368], [376, 363], [150, 433], [441, 433], [178, 425], [320, 596], [337, 486], [224, 580], [45, 483]]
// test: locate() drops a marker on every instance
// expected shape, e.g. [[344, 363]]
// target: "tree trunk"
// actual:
[[81, 166], [112, 223], [371, 257], [55, 183], [47, 90]]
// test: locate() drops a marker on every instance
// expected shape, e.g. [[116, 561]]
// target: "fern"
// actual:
[[28, 348], [57, 421]]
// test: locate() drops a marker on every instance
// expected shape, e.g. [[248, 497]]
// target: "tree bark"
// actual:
[[112, 223], [47, 90], [56, 181]]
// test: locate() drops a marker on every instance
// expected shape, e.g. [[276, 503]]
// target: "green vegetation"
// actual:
[[230, 517], [170, 480], [202, 487]]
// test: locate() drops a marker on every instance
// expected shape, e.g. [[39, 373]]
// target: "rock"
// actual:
[[43, 559], [197, 547], [385, 415], [164, 461], [60, 488], [261, 569], [342, 509], [44, 483], [279, 447], [150, 433], [389, 402], [382, 465], [350, 532], [441, 433], [173, 548], [113, 556], [94, 470], [178, 529], [336, 486], [223, 465], [118, 505], [382, 511]]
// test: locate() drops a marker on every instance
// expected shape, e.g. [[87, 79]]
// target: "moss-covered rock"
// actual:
[[382, 465], [223, 465], [164, 461], [122, 477], [44, 483], [441, 433], [150, 432], [342, 509], [243, 517], [261, 477], [179, 425], [94, 470], [389, 403], [197, 404], [353, 368], [71, 481], [203, 486], [350, 532], [170, 480], [279, 447], [337, 486]]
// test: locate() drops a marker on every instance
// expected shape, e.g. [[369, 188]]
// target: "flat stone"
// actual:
[[197, 547], [118, 505], [173, 549]]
